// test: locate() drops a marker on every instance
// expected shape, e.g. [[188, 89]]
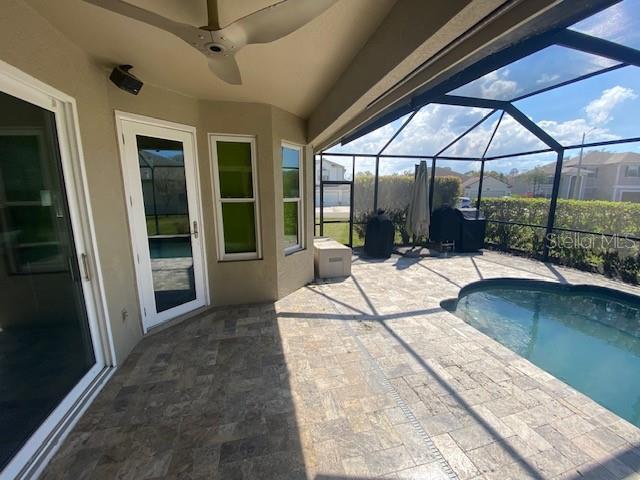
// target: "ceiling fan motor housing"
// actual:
[[216, 48]]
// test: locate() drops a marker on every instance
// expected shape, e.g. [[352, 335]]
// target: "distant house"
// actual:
[[599, 176], [331, 171], [491, 187], [334, 195]]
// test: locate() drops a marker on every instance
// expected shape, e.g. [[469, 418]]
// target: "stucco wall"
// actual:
[[31, 44], [247, 281], [295, 269]]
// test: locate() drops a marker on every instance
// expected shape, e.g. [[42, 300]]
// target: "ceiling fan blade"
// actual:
[[279, 20], [226, 68], [186, 32]]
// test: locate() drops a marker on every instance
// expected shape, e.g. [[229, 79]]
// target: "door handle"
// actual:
[[195, 229], [85, 266]]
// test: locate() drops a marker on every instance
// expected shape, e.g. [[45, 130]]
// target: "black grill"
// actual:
[[460, 226]]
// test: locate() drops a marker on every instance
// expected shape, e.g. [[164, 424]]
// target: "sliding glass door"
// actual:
[[46, 345]]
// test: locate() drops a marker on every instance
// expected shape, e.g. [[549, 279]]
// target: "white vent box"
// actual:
[[331, 259]]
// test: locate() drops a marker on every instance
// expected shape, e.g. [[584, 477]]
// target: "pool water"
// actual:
[[589, 337]]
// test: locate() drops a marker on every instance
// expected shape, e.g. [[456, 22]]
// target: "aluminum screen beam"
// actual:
[[398, 132], [598, 46], [517, 115], [538, 34]]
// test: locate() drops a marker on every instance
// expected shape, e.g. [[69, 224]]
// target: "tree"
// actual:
[[497, 175], [536, 178]]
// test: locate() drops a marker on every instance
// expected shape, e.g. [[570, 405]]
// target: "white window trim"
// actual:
[[30, 460], [213, 154], [299, 199], [619, 190]]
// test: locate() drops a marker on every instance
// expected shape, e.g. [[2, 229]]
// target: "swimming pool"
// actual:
[[587, 336]]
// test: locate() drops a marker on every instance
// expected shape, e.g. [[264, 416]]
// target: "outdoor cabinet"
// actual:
[[331, 259]]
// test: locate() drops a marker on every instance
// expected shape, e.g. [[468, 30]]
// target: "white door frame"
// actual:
[[45, 441], [135, 210]]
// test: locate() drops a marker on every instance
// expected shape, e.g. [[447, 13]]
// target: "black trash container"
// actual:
[[472, 231], [445, 225], [378, 239]]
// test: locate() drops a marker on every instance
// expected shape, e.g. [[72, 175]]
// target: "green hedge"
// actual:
[[394, 191], [619, 260], [615, 257], [599, 216]]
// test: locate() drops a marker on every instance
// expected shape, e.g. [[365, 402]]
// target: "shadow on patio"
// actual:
[[349, 381], [505, 445], [208, 398], [516, 450]]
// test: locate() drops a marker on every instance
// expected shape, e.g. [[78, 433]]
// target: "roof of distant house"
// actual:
[[595, 159], [150, 159], [326, 162], [471, 181]]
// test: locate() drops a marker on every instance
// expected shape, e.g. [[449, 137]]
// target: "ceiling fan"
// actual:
[[220, 43]]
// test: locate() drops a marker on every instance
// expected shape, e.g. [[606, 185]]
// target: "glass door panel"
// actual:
[[164, 191], [45, 341]]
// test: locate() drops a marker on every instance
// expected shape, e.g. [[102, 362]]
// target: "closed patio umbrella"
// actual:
[[418, 214]]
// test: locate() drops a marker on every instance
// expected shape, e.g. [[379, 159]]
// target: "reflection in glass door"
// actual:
[[45, 341], [164, 191], [160, 169]]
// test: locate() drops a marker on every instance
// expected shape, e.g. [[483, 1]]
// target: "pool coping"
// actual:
[[515, 282]]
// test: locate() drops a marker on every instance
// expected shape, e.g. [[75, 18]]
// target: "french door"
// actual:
[[51, 345], [159, 164]]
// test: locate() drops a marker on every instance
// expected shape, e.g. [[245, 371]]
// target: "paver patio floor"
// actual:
[[360, 379]]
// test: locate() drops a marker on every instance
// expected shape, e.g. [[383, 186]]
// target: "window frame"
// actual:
[[300, 245], [223, 255], [632, 171]]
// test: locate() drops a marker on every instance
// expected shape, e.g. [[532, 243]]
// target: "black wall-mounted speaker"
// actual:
[[126, 80]]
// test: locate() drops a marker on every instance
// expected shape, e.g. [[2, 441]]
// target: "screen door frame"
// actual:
[[128, 126]]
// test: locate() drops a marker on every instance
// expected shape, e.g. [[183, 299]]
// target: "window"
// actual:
[[632, 171], [236, 196], [292, 197]]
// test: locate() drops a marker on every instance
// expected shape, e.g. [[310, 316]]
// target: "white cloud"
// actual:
[[433, 127], [547, 79], [570, 132], [611, 24], [599, 110], [369, 143], [436, 125], [496, 85]]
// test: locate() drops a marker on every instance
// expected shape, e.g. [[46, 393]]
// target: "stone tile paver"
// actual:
[[367, 377]]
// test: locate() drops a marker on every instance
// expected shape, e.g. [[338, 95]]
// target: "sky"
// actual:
[[603, 107]]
